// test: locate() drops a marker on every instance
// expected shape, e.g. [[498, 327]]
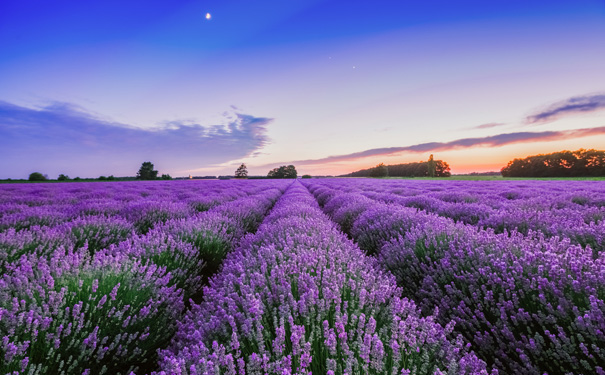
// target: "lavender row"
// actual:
[[141, 204], [73, 312], [570, 210], [528, 304], [100, 231], [299, 298]]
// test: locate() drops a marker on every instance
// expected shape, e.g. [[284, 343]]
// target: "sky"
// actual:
[[91, 88]]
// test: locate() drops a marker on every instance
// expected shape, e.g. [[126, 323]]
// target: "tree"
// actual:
[[283, 172], [580, 163], [63, 177], [166, 177], [442, 169], [431, 166], [242, 171], [37, 176], [306, 176], [380, 170], [146, 172]]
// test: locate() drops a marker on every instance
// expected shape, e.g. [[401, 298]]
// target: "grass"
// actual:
[[498, 178]]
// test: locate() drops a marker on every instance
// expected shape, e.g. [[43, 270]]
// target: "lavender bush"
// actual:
[[528, 305], [70, 316]]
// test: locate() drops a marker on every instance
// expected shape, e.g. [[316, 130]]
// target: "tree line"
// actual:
[[580, 163], [430, 168]]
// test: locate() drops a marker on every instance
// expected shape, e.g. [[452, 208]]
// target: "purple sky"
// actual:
[[96, 88]]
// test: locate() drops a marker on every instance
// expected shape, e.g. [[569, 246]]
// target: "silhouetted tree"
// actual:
[[146, 172], [580, 163], [37, 176], [242, 171], [62, 177], [166, 177], [380, 170], [283, 172], [419, 169]]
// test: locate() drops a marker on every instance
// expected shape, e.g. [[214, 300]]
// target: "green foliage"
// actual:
[[306, 176], [102, 178], [380, 170], [62, 177], [146, 172], [37, 176], [580, 163], [283, 172], [77, 179], [111, 178], [166, 177], [242, 171]]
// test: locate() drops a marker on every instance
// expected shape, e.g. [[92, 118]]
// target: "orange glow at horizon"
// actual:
[[477, 159]]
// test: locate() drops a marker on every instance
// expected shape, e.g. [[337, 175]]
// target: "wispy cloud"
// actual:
[[65, 136], [491, 141], [577, 104], [489, 125]]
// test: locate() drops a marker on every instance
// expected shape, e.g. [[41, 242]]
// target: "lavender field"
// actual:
[[334, 276]]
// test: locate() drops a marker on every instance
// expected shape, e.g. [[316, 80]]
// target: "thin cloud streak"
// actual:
[[63, 137], [574, 105], [489, 125], [491, 141]]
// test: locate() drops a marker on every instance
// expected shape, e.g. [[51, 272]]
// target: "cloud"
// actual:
[[491, 141], [62, 136], [577, 104], [489, 125]]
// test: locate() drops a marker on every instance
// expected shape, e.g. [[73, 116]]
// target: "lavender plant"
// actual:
[[70, 316]]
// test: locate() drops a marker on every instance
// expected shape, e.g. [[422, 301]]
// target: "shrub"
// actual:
[[37, 176]]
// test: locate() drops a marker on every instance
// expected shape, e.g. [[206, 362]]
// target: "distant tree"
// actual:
[[283, 172], [111, 178], [306, 176], [62, 177], [580, 163], [431, 166], [37, 176], [77, 178], [146, 172], [242, 171], [166, 177], [380, 170], [102, 178], [442, 169]]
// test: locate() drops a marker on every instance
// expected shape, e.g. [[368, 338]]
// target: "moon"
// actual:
[[208, 16]]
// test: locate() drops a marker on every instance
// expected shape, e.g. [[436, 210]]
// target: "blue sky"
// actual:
[[94, 88]]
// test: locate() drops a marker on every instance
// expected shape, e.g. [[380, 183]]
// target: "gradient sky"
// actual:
[[91, 88]]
